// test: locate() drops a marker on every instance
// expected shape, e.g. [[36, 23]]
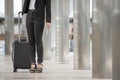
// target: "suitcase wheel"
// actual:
[[15, 70]]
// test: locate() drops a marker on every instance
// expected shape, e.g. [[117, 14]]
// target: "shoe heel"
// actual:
[[39, 70]]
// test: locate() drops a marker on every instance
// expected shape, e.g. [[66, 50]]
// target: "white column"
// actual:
[[62, 30], [81, 34], [101, 40], [9, 26], [116, 39], [47, 43], [65, 29], [53, 29]]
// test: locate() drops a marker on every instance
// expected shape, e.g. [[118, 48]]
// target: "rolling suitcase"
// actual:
[[20, 54]]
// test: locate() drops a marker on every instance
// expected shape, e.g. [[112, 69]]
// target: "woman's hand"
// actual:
[[48, 25]]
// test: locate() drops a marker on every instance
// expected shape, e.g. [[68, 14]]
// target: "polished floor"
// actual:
[[52, 71]]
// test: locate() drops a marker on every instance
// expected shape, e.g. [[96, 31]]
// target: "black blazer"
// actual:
[[40, 6]]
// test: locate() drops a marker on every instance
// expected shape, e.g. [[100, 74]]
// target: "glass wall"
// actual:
[[2, 8], [17, 7]]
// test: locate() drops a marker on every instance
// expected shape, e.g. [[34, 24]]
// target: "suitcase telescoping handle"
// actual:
[[20, 28]]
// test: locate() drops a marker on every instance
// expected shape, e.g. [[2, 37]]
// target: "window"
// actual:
[[17, 7]]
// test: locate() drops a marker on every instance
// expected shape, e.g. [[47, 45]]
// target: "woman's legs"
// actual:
[[35, 31], [38, 31]]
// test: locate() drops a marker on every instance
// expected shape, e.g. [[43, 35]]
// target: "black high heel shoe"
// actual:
[[33, 69], [39, 69]]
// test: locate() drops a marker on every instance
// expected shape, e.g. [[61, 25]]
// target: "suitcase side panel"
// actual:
[[21, 55]]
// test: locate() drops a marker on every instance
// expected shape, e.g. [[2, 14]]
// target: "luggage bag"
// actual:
[[20, 51]]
